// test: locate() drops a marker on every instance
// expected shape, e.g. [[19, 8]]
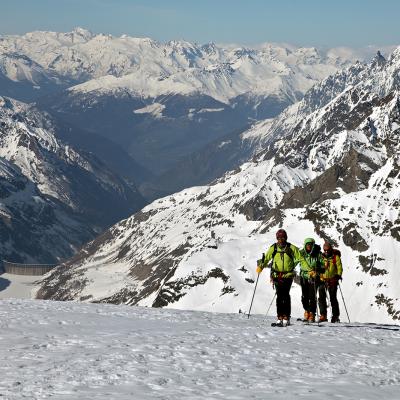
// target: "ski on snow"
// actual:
[[305, 322]]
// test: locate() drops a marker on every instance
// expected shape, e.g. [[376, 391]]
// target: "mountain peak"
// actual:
[[395, 56], [84, 33], [378, 60], [181, 44]]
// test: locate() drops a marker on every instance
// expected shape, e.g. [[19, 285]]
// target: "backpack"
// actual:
[[336, 252], [288, 251], [316, 250]]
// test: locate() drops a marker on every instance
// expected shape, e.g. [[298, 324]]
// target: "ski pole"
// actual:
[[266, 315], [316, 297], [251, 304], [344, 302]]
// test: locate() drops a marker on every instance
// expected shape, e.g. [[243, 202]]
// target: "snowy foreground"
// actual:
[[65, 350]]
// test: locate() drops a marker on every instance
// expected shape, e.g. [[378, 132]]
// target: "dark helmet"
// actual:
[[281, 233]]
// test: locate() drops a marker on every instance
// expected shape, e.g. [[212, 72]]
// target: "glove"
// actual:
[[338, 277], [258, 269], [312, 274]]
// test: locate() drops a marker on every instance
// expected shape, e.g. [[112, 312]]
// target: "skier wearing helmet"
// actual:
[[284, 257], [331, 277], [311, 269]]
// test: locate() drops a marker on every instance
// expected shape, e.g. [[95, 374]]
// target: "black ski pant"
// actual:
[[283, 304], [309, 289], [330, 287]]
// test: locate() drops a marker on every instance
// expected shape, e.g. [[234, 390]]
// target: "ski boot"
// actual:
[[279, 322], [322, 318], [335, 320], [311, 317]]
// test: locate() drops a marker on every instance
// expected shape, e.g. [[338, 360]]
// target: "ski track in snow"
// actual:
[[95, 351]]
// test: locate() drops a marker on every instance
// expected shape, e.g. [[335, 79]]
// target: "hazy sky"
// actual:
[[303, 22]]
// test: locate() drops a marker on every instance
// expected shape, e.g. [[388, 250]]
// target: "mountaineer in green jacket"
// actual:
[[332, 275], [310, 271], [284, 257]]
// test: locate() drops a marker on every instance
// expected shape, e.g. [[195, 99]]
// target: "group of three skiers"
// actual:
[[320, 273]]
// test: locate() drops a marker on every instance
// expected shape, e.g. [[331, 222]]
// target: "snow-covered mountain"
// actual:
[[151, 69], [26, 80], [162, 103], [96, 351], [52, 197], [318, 175]]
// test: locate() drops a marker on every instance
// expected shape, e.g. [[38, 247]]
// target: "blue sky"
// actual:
[[303, 22]]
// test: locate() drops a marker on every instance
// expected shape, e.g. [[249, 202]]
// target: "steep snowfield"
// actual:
[[70, 351]]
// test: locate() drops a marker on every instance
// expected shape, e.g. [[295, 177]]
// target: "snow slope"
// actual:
[[69, 351]]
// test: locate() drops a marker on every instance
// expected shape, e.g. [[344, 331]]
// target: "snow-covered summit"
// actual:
[[84, 33]]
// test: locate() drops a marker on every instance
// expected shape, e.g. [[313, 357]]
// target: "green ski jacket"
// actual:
[[312, 261], [283, 262], [333, 266]]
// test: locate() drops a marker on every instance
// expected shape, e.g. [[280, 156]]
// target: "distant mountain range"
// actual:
[[158, 106]]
